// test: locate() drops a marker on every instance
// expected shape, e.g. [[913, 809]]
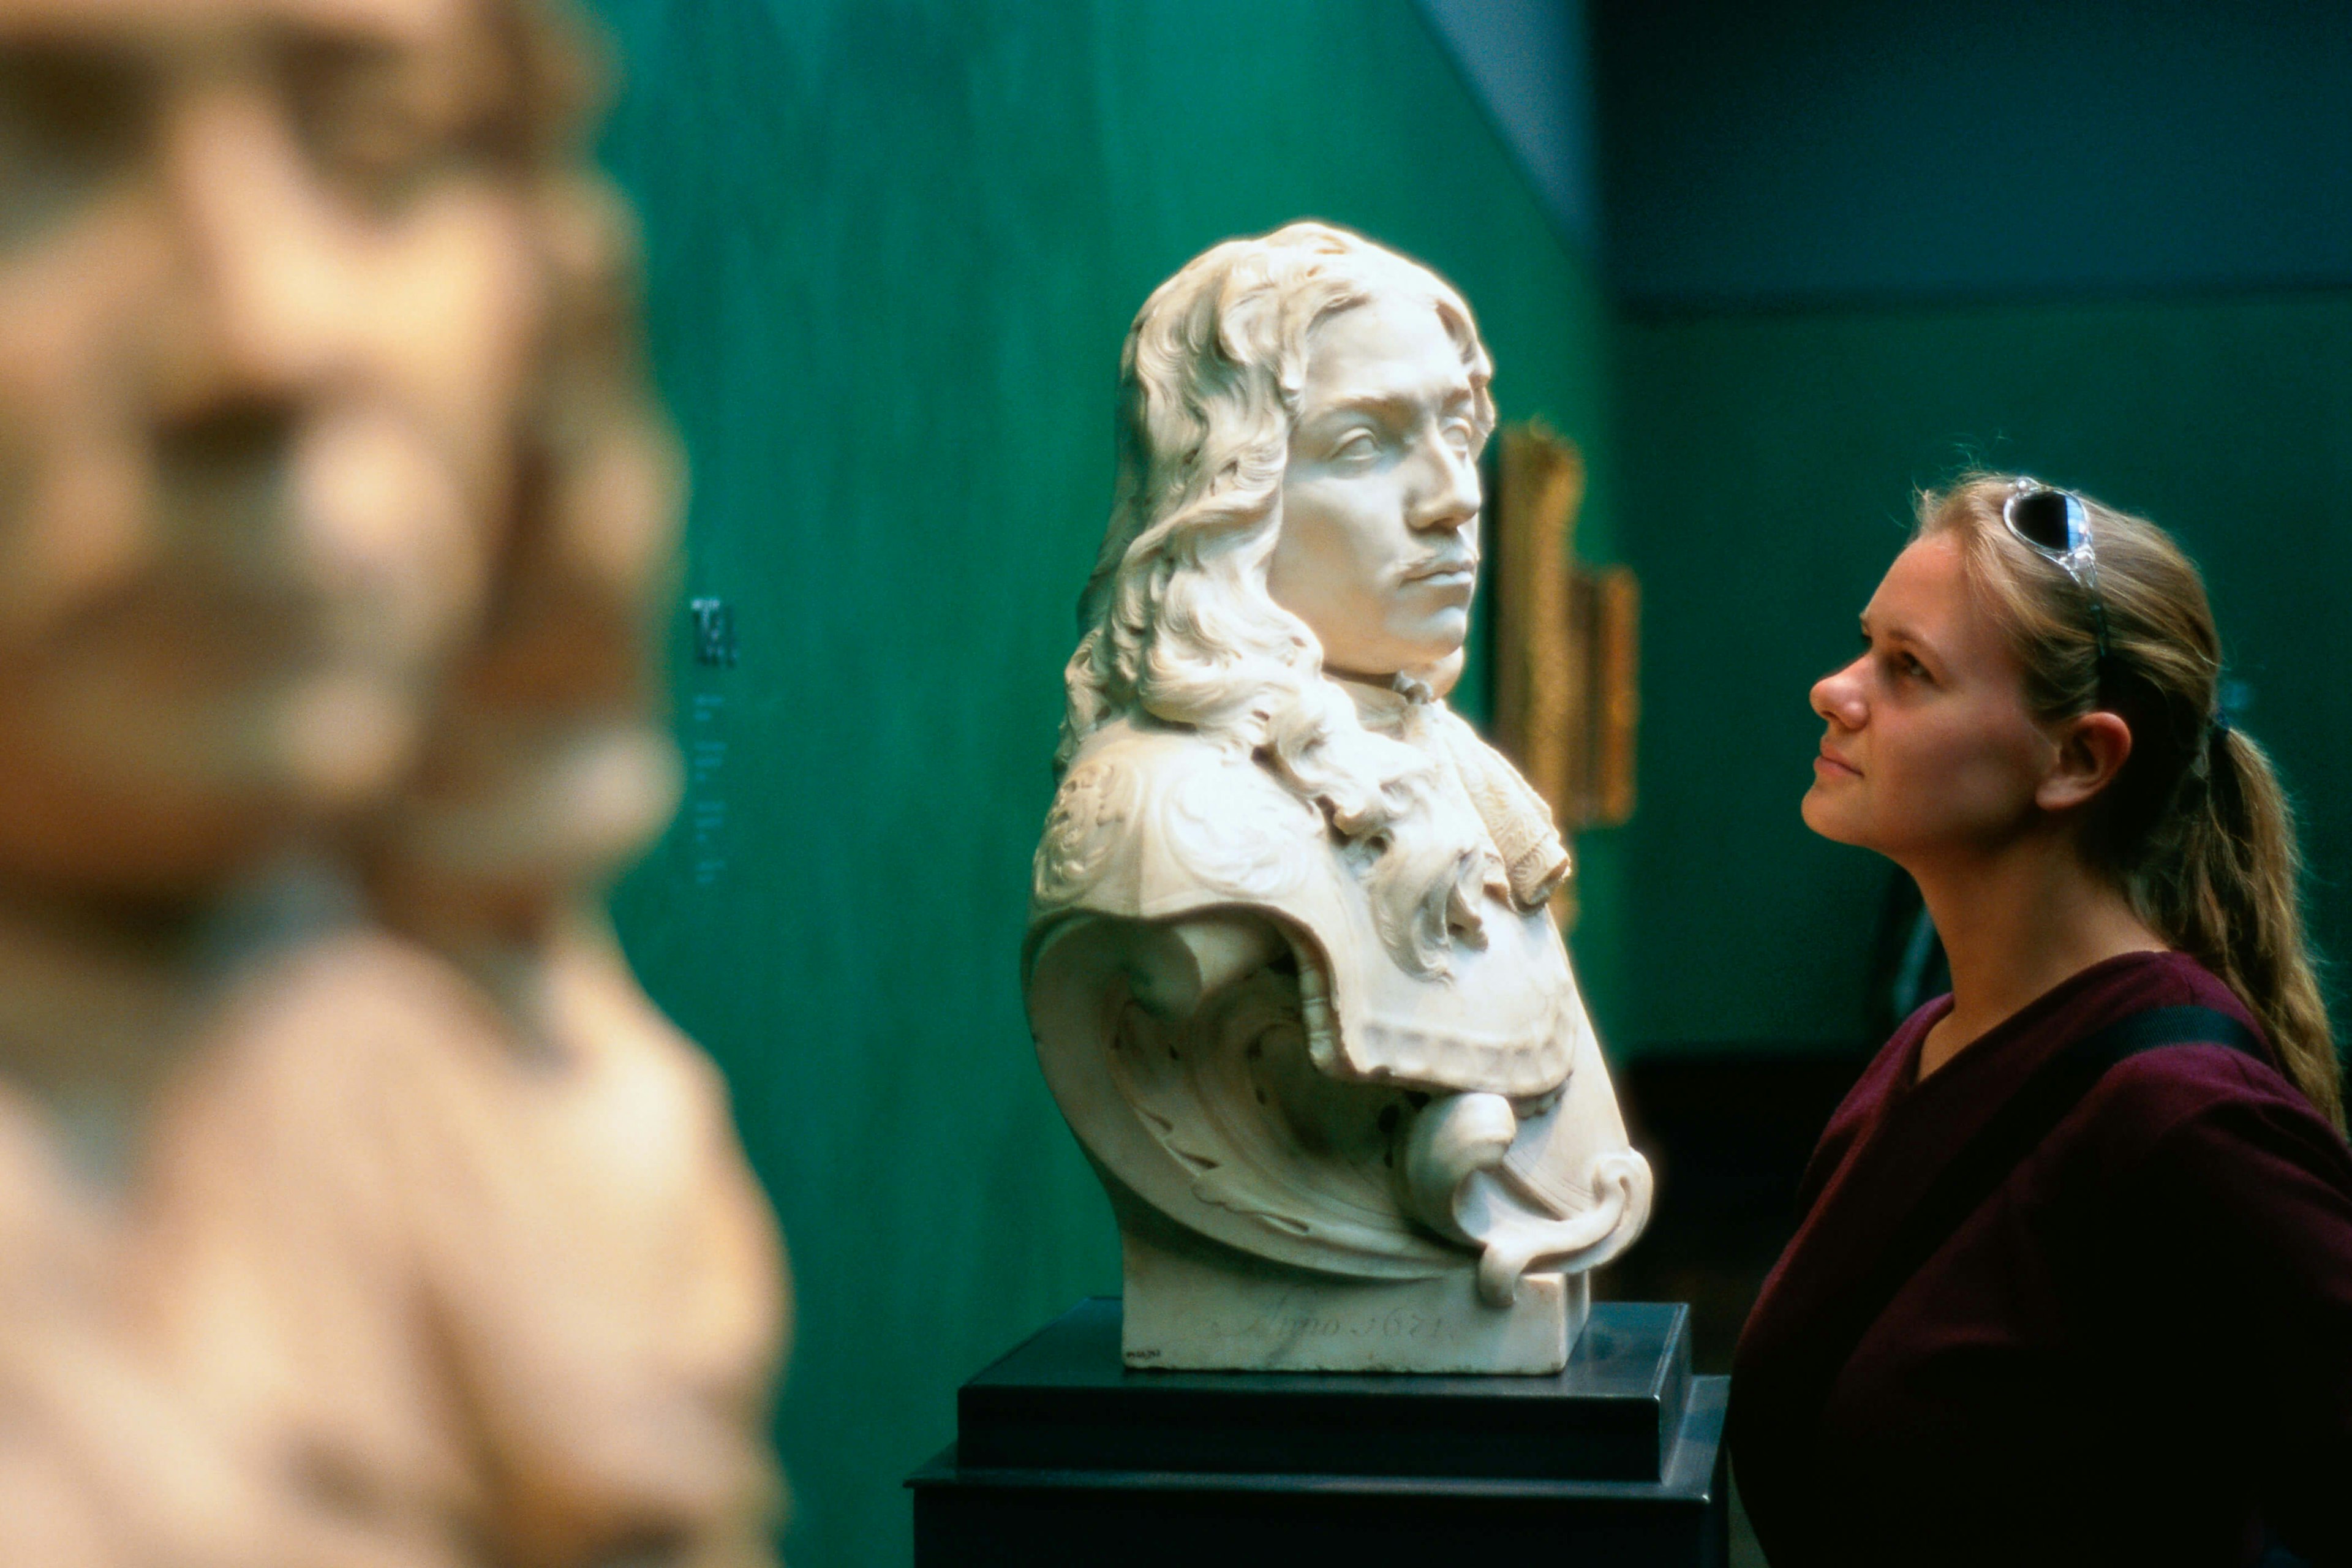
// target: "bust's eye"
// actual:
[[1460, 436], [70, 120], [1356, 447], [374, 126]]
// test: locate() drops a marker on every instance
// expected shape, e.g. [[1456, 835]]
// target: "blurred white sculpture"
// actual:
[[1289, 965]]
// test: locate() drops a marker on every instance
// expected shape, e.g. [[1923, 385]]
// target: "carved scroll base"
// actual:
[[1202, 1307]]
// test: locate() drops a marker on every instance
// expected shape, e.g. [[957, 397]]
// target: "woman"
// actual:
[[2074, 1280]]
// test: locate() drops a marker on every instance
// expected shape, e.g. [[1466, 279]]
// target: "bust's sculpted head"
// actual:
[[323, 457], [1238, 381]]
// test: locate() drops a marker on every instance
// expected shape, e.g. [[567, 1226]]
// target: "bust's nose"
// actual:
[[1446, 496], [262, 284]]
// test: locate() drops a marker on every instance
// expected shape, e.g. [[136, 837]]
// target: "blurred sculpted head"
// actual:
[[312, 447]]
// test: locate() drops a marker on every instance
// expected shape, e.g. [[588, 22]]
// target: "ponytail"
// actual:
[[2221, 886], [2196, 829]]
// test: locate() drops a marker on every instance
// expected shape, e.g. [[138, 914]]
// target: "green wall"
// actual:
[[892, 246], [1768, 461], [892, 249]]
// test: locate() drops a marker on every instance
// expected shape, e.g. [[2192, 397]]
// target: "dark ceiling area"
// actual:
[[1778, 153]]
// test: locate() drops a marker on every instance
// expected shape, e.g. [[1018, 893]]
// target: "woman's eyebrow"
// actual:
[[1899, 633]]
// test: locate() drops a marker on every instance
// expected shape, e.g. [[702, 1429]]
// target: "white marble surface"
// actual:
[[1290, 966], [1189, 1310]]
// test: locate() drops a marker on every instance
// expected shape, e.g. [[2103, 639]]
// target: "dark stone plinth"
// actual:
[[1064, 1456], [1063, 1401]]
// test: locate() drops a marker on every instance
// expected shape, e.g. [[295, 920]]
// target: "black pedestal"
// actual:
[[1063, 1456]]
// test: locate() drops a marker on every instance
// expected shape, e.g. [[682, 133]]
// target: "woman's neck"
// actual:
[[2015, 923]]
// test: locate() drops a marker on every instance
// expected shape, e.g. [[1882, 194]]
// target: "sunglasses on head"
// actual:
[[2055, 523]]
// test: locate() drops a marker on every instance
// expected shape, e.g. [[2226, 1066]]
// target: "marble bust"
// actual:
[[1289, 965], [357, 1208]]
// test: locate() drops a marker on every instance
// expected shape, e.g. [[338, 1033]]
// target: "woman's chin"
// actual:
[[1823, 816]]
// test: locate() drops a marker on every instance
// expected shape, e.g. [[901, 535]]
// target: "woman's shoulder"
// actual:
[[2208, 1150], [2200, 1094]]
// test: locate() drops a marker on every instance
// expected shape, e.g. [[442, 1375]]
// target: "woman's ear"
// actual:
[[2092, 750]]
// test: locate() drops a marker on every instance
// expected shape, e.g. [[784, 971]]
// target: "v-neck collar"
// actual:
[[1968, 1064]]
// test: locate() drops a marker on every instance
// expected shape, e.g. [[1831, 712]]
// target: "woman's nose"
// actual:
[[1837, 697]]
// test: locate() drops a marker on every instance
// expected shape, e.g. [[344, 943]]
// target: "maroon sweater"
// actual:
[[2138, 1350]]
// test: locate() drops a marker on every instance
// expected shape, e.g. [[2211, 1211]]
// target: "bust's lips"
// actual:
[[1444, 570]]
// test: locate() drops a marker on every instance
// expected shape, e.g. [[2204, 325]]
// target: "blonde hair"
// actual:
[[1176, 620], [2196, 828]]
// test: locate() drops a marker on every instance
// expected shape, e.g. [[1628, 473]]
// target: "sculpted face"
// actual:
[[267, 300], [1929, 749], [1377, 552]]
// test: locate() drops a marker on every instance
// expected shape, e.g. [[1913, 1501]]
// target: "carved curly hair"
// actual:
[[545, 768], [1176, 620]]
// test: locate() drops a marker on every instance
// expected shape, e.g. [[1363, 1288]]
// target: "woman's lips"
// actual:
[[1831, 766]]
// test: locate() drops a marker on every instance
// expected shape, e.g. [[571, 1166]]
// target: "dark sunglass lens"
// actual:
[[2041, 517]]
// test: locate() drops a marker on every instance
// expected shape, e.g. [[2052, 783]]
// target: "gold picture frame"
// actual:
[[1566, 640]]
